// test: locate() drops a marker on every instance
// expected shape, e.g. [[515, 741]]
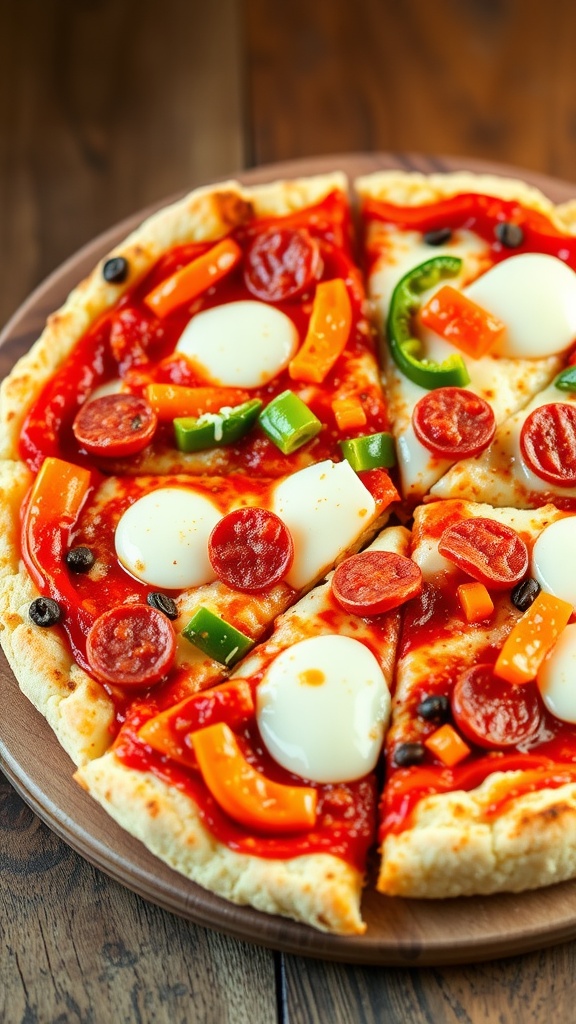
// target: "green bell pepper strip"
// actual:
[[288, 422], [194, 434], [406, 350], [217, 638], [566, 381], [371, 451]]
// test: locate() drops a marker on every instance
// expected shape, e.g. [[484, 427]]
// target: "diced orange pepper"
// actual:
[[447, 745], [475, 601], [170, 401], [531, 638], [327, 335], [349, 413], [244, 793], [55, 502], [462, 322], [193, 279]]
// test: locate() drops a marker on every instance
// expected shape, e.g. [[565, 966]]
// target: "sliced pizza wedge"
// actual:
[[474, 285], [263, 790], [480, 794], [114, 586]]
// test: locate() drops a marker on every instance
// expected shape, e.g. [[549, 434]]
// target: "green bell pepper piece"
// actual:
[[566, 381], [370, 451], [194, 434], [217, 638], [288, 422], [405, 349]]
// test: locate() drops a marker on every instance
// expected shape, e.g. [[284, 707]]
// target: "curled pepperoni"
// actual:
[[374, 582], [250, 549], [489, 551], [131, 645], [493, 713], [115, 425], [453, 423], [548, 443], [281, 263]]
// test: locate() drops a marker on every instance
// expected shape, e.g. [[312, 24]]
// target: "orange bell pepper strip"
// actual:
[[349, 413], [170, 401], [475, 601], [462, 322], [327, 335], [196, 277], [51, 511], [531, 638], [447, 745], [244, 793], [168, 732]]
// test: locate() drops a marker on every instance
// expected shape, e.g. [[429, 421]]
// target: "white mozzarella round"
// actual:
[[322, 708], [241, 344], [535, 297], [554, 559], [162, 539], [326, 507], [557, 676]]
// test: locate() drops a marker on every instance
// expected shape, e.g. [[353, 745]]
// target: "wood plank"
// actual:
[[487, 80], [104, 110], [78, 946]]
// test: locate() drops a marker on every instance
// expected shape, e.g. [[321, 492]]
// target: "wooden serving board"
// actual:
[[400, 932]]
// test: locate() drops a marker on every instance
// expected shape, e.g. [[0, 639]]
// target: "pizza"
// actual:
[[287, 498]]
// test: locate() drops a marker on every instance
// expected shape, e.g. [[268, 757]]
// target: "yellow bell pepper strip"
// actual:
[[475, 602], [50, 514], [196, 277], [372, 451], [348, 413], [462, 322], [406, 350], [214, 429], [531, 638], [447, 745], [327, 335], [216, 638], [168, 732], [288, 422], [244, 793], [170, 401]]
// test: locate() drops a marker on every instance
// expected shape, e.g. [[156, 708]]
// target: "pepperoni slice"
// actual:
[[492, 713], [488, 551], [453, 423], [115, 425], [548, 443], [281, 263], [250, 549], [374, 582], [131, 645]]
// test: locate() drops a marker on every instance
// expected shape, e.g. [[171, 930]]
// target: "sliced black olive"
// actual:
[[509, 234], [163, 603], [435, 709], [438, 237], [80, 559], [44, 611], [524, 594], [407, 754], [115, 270]]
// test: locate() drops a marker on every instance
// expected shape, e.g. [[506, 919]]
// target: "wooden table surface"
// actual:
[[105, 108]]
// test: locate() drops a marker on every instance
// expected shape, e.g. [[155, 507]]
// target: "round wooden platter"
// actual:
[[399, 932]]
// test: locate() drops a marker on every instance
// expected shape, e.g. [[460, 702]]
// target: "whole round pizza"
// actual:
[[288, 497]]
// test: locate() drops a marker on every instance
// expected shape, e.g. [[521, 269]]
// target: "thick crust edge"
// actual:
[[316, 889], [457, 846]]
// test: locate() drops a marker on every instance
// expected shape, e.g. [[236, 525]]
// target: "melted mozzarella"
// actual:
[[535, 296], [322, 707], [112, 387], [326, 507], [554, 558], [162, 539], [557, 677], [241, 344]]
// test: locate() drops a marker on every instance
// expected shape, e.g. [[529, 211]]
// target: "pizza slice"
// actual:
[[263, 790], [480, 794], [474, 285], [227, 334]]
